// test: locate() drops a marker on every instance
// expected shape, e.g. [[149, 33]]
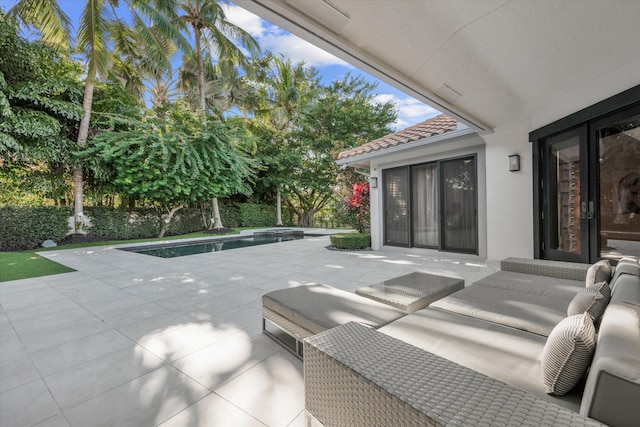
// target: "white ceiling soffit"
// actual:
[[486, 63]]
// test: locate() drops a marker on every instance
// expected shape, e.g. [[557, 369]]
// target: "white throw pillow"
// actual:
[[567, 353], [601, 271]]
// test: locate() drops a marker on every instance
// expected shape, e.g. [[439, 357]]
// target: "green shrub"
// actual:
[[230, 216], [185, 221], [351, 240], [254, 215], [120, 224], [26, 227]]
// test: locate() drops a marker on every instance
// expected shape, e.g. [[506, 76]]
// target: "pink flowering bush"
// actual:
[[359, 205]]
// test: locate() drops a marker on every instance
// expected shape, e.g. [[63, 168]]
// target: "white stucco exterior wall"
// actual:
[[509, 194]]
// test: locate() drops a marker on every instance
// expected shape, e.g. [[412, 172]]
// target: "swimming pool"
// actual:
[[172, 250]]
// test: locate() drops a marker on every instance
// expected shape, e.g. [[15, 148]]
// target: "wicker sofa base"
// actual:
[[287, 326], [357, 376]]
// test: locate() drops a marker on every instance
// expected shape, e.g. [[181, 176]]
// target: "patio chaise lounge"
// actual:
[[476, 356]]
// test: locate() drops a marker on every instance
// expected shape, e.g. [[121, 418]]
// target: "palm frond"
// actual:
[[48, 18]]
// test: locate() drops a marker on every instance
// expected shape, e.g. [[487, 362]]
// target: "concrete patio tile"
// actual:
[[272, 391], [213, 411], [184, 299], [56, 421], [174, 343], [246, 296], [299, 421], [11, 346], [17, 372], [53, 336], [34, 324], [95, 377], [27, 405], [146, 401], [79, 351], [118, 302], [36, 311], [208, 308], [243, 317], [139, 329], [19, 300], [222, 361], [155, 291], [133, 313]]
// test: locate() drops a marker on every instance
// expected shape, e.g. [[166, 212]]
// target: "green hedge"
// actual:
[[351, 240], [230, 216], [26, 227], [254, 215], [119, 224]]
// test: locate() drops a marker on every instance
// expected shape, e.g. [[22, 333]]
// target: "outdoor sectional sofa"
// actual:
[[475, 356]]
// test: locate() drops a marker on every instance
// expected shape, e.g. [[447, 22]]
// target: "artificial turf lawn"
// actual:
[[23, 265]]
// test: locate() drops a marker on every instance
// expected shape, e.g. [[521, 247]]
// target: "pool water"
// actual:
[[172, 250]]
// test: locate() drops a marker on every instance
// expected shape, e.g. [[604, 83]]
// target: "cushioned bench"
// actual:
[[304, 311]]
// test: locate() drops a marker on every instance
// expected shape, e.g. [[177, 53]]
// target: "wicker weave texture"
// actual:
[[559, 269], [287, 325], [357, 376], [413, 291]]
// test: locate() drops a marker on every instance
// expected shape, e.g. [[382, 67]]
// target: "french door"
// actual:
[[432, 205], [590, 185]]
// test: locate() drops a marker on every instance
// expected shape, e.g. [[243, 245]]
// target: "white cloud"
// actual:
[[410, 110], [277, 40], [246, 20]]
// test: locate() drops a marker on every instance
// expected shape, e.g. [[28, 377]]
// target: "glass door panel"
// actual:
[[459, 203], [425, 206], [565, 210], [618, 144], [396, 206]]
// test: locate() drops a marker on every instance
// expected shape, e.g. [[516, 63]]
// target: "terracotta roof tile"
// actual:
[[431, 127]]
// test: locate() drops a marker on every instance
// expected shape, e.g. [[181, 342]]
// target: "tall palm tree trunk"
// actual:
[[78, 180]]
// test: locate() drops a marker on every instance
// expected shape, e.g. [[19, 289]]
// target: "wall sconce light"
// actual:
[[373, 182], [514, 163]]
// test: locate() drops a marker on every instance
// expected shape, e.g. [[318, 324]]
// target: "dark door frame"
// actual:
[[606, 109]]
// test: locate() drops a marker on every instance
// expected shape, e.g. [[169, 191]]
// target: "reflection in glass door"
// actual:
[[566, 210], [396, 206], [619, 186]]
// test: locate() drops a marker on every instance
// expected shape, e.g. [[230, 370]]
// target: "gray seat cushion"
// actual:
[[509, 355], [321, 307], [534, 284], [529, 312]]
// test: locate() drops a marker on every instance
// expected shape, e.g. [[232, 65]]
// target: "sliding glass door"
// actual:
[[459, 203], [432, 205]]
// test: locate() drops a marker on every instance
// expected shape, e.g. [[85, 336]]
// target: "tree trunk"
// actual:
[[217, 222], [167, 220], [279, 207], [201, 99], [306, 218], [83, 133]]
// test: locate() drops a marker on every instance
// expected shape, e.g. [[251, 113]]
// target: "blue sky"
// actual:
[[275, 39]]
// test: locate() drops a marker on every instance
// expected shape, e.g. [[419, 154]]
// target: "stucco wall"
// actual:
[[509, 194]]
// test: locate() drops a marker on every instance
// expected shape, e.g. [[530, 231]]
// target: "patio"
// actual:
[[135, 340]]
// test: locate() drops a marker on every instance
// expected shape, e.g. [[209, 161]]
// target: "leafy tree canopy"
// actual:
[[40, 100]]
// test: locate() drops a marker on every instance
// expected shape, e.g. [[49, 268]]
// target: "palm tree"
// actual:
[[284, 89], [215, 35], [98, 29]]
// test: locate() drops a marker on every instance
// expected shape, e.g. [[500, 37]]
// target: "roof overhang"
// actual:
[[485, 63], [363, 160]]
